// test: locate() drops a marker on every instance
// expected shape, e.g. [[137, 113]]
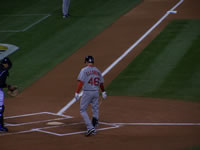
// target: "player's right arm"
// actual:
[[78, 89], [79, 86]]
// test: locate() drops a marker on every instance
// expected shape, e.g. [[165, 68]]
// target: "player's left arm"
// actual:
[[102, 87], [104, 95]]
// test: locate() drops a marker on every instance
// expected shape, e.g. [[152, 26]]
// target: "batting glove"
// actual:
[[104, 95], [77, 96]]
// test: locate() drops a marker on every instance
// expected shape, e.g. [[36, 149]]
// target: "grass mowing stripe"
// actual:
[[161, 70], [186, 75], [131, 78], [169, 58]]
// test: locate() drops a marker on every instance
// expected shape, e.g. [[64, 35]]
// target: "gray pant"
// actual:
[[65, 7], [89, 97]]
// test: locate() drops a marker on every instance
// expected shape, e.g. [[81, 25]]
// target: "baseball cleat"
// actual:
[[90, 132], [66, 16]]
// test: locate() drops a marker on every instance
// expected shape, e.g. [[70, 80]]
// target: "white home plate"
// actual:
[[55, 123]]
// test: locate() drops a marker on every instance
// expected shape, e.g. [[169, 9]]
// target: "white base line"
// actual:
[[25, 15], [34, 122], [26, 115], [154, 124], [21, 132], [74, 133], [112, 126], [40, 20], [30, 26], [39, 113], [127, 51]]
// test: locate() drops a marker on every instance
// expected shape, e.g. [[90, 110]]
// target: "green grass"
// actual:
[[168, 68], [51, 41], [193, 148]]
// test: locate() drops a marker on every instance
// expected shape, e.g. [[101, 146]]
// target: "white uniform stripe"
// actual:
[[1, 97]]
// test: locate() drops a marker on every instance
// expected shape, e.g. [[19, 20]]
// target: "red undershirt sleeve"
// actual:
[[79, 86], [102, 87]]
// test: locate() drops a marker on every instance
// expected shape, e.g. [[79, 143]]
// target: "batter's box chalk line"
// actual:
[[44, 129], [61, 117]]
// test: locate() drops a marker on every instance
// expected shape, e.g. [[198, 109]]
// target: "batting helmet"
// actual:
[[89, 59], [6, 60]]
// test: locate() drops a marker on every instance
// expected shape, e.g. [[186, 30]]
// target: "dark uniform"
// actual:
[[4, 67]]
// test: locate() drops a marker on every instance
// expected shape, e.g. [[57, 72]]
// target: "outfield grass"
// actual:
[[168, 68], [54, 39]]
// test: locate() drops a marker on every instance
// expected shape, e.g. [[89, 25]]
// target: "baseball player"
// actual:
[[5, 65], [65, 8], [90, 79]]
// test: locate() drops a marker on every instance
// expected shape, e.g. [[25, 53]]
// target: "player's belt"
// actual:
[[90, 90]]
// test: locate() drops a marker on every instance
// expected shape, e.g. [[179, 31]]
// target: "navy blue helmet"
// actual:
[[6, 60], [89, 59]]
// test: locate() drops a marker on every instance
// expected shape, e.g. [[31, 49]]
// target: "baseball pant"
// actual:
[[65, 7], [89, 97]]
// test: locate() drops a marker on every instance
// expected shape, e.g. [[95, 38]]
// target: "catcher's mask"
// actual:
[[89, 59], [6, 60]]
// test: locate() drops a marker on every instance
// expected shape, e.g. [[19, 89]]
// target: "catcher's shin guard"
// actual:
[[2, 128], [1, 122], [1, 116]]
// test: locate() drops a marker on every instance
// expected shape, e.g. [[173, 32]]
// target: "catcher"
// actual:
[[5, 65]]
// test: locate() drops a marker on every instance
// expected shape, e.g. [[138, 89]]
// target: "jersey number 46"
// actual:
[[94, 81]]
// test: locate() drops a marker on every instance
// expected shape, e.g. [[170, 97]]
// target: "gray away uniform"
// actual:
[[91, 78], [65, 7]]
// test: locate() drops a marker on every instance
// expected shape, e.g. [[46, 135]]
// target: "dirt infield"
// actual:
[[125, 122]]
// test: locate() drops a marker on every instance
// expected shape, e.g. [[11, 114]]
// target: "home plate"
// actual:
[[55, 123]]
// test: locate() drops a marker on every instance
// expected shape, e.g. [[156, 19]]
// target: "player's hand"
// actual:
[[77, 96], [104, 95]]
